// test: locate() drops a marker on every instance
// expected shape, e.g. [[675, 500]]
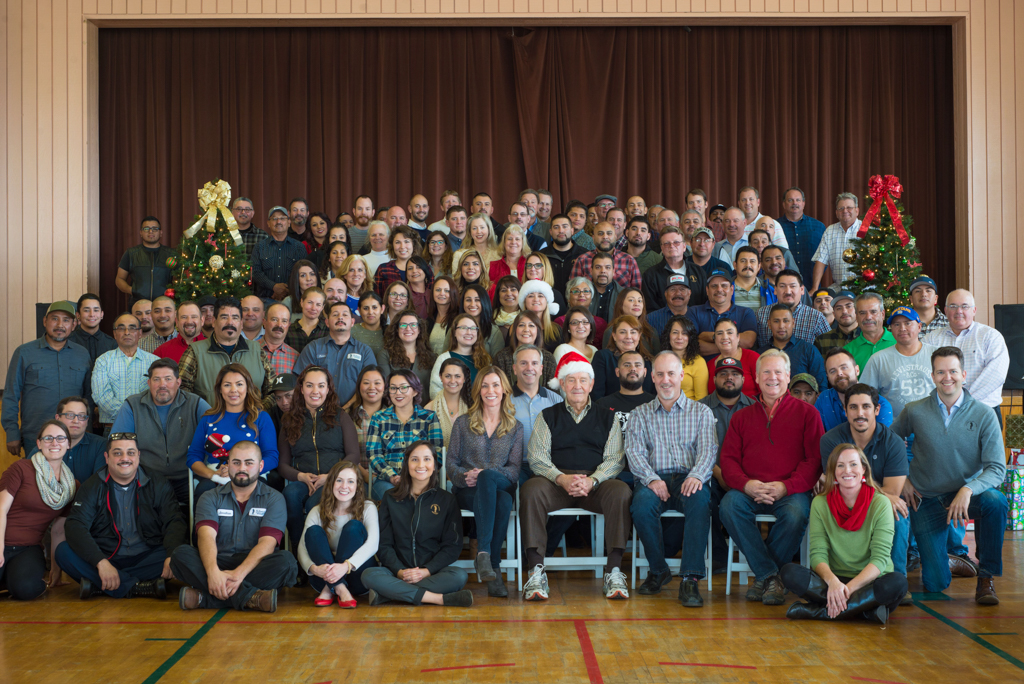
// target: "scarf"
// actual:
[[55, 493], [850, 519], [505, 318]]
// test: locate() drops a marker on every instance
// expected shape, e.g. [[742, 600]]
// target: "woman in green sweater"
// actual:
[[850, 529]]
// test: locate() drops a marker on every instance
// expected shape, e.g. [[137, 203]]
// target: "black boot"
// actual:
[[862, 603], [817, 589], [808, 611]]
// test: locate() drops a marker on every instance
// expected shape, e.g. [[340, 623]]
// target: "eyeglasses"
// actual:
[[407, 326], [671, 243], [50, 439], [577, 293], [703, 240], [151, 229], [129, 328], [579, 323], [436, 243], [243, 210], [960, 307], [399, 390], [398, 295], [114, 436], [466, 328], [534, 267], [75, 416]]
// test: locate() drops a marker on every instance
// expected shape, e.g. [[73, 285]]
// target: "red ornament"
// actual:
[[169, 292], [868, 274]]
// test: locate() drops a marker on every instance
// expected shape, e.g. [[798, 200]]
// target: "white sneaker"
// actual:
[[536, 588], [615, 585]]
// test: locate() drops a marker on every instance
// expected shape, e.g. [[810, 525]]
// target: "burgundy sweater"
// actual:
[[785, 449]]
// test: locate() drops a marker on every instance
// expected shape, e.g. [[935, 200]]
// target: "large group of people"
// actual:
[[386, 378]]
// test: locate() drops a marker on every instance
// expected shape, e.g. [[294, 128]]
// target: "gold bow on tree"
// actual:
[[214, 198]]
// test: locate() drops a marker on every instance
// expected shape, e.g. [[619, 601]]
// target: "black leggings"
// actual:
[[889, 588], [24, 572]]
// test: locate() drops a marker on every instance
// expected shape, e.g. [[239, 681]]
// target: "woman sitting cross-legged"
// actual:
[[340, 538], [420, 538], [484, 459], [851, 530]]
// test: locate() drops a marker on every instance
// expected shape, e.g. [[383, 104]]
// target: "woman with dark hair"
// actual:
[[625, 337], [438, 253], [405, 346], [397, 298], [315, 434], [525, 329], [340, 538], [370, 328], [420, 538], [465, 344], [538, 297], [505, 303], [469, 270], [334, 258], [419, 279], [475, 301], [303, 277], [237, 415], [392, 429], [484, 460], [727, 339], [402, 244], [630, 302], [444, 307], [578, 331], [454, 398], [680, 337], [367, 400], [309, 325], [850, 529], [316, 233], [580, 292], [345, 219], [34, 492], [538, 267]]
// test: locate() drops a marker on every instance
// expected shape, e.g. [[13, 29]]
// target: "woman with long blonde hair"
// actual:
[[470, 269], [512, 253]]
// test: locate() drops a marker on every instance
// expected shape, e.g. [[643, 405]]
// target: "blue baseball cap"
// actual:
[[923, 280], [843, 294], [904, 311], [719, 273]]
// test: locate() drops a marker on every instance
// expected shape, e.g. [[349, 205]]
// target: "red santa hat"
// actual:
[[569, 361]]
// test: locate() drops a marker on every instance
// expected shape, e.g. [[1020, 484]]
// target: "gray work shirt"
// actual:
[[343, 362], [239, 527], [723, 414]]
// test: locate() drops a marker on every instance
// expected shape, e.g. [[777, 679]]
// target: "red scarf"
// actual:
[[850, 519]]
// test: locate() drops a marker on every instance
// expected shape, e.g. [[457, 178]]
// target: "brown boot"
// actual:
[[985, 594], [264, 600]]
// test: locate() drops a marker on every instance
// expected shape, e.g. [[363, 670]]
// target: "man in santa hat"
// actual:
[[575, 454]]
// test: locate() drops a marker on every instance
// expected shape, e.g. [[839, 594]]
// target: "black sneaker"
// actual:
[[496, 588], [689, 594], [378, 600], [913, 562], [152, 589], [459, 599], [756, 591], [86, 590], [654, 582], [774, 592]]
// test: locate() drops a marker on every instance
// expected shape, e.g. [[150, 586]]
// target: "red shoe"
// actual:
[[347, 604], [322, 602]]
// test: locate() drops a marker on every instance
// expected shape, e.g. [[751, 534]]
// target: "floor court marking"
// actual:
[[467, 667], [971, 635], [185, 647], [589, 657], [736, 667]]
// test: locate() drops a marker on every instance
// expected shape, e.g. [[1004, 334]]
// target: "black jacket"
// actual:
[[420, 533], [655, 282], [90, 528], [561, 266]]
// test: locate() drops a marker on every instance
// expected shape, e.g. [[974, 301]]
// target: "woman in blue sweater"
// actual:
[[237, 416]]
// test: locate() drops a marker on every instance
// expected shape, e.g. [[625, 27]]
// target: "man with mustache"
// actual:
[[203, 359], [748, 289], [276, 323], [163, 417], [842, 371], [162, 314], [631, 372], [122, 529], [239, 526], [40, 373], [626, 272], [340, 354], [188, 323]]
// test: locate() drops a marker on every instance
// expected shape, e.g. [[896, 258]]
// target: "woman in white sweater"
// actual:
[[336, 546]]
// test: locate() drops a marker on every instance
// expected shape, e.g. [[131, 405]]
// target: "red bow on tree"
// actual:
[[884, 188]]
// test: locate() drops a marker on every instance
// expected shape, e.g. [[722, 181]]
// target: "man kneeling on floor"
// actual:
[[123, 527], [238, 527], [575, 453]]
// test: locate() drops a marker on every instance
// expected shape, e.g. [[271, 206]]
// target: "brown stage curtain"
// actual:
[[328, 114]]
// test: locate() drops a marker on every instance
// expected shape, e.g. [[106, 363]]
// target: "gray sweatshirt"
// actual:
[[969, 453]]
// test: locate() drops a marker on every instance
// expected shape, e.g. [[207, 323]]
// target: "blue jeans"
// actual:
[[299, 502], [738, 511], [988, 510], [900, 545], [646, 509], [491, 502], [353, 536], [131, 569]]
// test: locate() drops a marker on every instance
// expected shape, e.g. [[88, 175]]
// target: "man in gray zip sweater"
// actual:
[[959, 461]]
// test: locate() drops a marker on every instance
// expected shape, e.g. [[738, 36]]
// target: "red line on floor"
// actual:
[[101, 622], [738, 667], [467, 667], [589, 657], [880, 681]]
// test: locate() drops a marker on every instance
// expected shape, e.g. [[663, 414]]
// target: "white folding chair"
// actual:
[[641, 565], [594, 561], [743, 568]]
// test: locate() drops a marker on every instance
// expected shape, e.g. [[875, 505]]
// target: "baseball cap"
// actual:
[[64, 306], [842, 294], [207, 300], [717, 206], [707, 231], [720, 273], [613, 198], [821, 293], [804, 377], [923, 280], [904, 311], [676, 279], [275, 209], [284, 382], [727, 362]]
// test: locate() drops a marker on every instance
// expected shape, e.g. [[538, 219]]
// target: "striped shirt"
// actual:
[[387, 437], [282, 359], [115, 377], [830, 250], [539, 449], [809, 324], [680, 440], [938, 322], [986, 359], [153, 340]]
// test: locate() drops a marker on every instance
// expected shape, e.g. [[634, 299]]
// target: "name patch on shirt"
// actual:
[[225, 513], [355, 356], [257, 512]]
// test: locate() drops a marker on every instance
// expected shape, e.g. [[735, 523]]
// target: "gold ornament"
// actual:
[[872, 250], [235, 273], [216, 262], [214, 199], [171, 262], [890, 303], [848, 255]]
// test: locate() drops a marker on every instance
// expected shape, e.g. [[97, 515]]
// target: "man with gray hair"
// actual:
[[870, 309], [836, 239], [244, 211]]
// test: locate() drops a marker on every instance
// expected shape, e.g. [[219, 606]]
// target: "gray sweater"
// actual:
[[969, 453]]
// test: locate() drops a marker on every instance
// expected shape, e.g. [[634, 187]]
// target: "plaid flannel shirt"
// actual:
[[282, 359], [387, 437], [627, 273], [809, 324]]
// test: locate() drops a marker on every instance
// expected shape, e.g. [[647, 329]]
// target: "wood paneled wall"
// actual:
[[49, 165]]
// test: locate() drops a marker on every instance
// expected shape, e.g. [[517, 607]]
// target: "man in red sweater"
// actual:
[[770, 459]]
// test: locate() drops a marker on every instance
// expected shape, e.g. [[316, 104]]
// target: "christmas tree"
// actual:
[[211, 257], [885, 258]]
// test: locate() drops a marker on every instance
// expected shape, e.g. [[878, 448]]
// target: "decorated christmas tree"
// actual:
[[211, 257], [885, 258]]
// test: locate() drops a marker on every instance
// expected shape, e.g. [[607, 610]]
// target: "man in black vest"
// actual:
[[575, 454]]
